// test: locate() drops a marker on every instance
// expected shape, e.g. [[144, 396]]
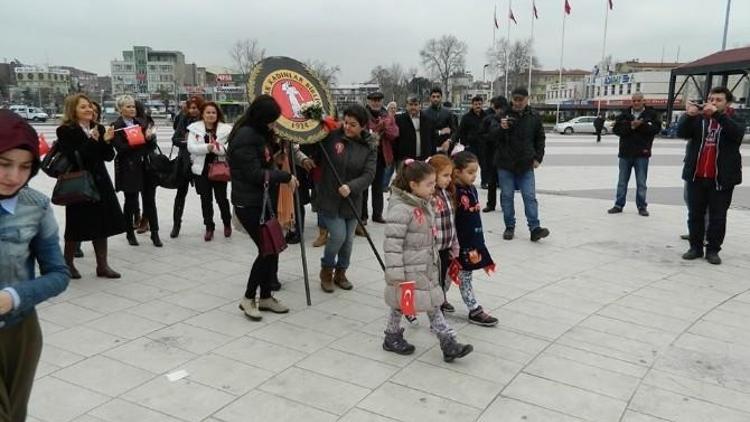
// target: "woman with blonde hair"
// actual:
[[87, 145]]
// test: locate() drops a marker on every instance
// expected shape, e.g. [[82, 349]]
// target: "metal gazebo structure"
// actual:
[[723, 63]]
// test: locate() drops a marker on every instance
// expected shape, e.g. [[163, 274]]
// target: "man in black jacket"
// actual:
[[443, 122], [490, 134], [519, 152], [713, 167], [470, 125], [416, 134], [598, 126], [636, 128]]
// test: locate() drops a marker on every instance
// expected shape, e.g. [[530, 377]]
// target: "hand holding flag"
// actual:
[[43, 145]]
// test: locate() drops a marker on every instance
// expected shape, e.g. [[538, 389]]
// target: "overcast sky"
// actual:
[[358, 35]]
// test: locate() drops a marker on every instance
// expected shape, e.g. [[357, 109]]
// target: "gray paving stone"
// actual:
[[348, 367], [119, 410], [406, 404], [104, 375], [504, 409], [268, 407], [48, 403]]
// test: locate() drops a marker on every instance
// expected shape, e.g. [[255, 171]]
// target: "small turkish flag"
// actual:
[[453, 269], [43, 146], [134, 135], [407, 298], [567, 7]]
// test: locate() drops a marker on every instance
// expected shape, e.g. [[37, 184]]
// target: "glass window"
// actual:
[[638, 86], [630, 88], [620, 90], [30, 76]]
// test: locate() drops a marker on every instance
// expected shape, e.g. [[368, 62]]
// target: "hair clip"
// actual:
[[428, 159], [408, 162]]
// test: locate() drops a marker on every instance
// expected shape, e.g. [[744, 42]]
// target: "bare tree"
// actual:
[[393, 82], [328, 74], [245, 55], [517, 68], [443, 57]]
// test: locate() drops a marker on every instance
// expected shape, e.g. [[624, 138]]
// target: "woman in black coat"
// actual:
[[131, 174], [179, 139], [80, 137], [251, 151]]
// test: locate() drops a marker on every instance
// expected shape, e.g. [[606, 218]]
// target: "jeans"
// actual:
[[702, 197], [641, 173], [265, 269], [338, 250], [525, 182], [387, 176]]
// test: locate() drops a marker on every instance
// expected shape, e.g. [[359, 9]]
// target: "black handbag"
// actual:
[[55, 163], [75, 187], [163, 169]]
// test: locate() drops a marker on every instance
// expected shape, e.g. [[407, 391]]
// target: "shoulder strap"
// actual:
[[266, 212]]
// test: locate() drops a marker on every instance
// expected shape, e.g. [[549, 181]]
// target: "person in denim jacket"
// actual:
[[28, 235]]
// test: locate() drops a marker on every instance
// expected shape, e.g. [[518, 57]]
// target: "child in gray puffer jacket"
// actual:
[[411, 255]]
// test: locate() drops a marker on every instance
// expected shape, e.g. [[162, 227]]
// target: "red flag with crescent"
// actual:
[[134, 135], [407, 298], [43, 146]]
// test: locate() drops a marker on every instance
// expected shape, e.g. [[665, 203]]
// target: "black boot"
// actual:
[[132, 240], [396, 343], [156, 240], [175, 230], [79, 251], [102, 266], [453, 349]]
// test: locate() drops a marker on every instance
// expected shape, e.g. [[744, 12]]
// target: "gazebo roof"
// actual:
[[734, 61]]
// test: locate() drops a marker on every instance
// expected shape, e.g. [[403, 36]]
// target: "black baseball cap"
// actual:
[[377, 95]]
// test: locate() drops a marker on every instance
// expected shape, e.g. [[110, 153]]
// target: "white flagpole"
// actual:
[[562, 53], [604, 49], [507, 48], [531, 51], [493, 71]]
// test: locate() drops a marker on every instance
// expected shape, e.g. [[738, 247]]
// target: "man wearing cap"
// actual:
[[518, 153], [383, 128], [416, 138]]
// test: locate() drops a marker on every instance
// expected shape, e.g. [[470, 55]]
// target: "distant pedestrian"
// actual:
[[636, 127], [411, 255], [598, 126], [188, 116], [491, 135], [713, 167], [469, 128]]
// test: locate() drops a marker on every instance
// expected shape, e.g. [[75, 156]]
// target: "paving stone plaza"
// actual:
[[600, 322]]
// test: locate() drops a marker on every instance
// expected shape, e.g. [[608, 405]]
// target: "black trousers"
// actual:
[[445, 260], [703, 195], [265, 269], [208, 189], [377, 193], [20, 348], [148, 194], [179, 202], [488, 171]]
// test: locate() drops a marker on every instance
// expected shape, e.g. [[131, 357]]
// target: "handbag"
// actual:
[[272, 240], [218, 171], [55, 162], [75, 187], [163, 169]]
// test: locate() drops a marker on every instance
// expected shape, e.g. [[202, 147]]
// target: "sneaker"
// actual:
[[539, 233], [250, 308], [453, 350], [485, 186], [509, 233], [479, 317], [643, 212], [272, 304], [692, 254], [447, 307], [396, 343], [614, 210], [713, 258]]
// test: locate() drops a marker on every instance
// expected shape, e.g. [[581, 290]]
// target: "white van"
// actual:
[[35, 114]]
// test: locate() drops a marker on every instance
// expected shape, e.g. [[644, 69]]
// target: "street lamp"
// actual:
[[484, 72]]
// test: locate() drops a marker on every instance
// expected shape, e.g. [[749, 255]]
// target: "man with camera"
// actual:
[[519, 152], [636, 128], [713, 167]]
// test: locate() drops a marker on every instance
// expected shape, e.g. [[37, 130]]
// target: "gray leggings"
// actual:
[[438, 323]]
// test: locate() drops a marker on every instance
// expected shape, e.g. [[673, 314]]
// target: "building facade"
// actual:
[[144, 72], [541, 78], [345, 95]]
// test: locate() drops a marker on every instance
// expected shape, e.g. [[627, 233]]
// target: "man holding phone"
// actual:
[[636, 128], [713, 167]]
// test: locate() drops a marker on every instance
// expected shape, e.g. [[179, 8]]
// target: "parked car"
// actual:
[[582, 124], [34, 114]]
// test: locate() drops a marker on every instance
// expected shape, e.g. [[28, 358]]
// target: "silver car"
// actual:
[[582, 124]]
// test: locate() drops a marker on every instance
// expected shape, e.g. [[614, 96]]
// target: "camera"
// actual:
[[698, 103]]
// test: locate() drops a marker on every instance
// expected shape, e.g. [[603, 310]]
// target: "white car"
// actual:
[[34, 114], [582, 124]]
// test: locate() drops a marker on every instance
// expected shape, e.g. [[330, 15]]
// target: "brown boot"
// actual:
[[102, 267], [340, 279], [70, 252], [326, 279], [322, 238], [360, 231], [142, 226]]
